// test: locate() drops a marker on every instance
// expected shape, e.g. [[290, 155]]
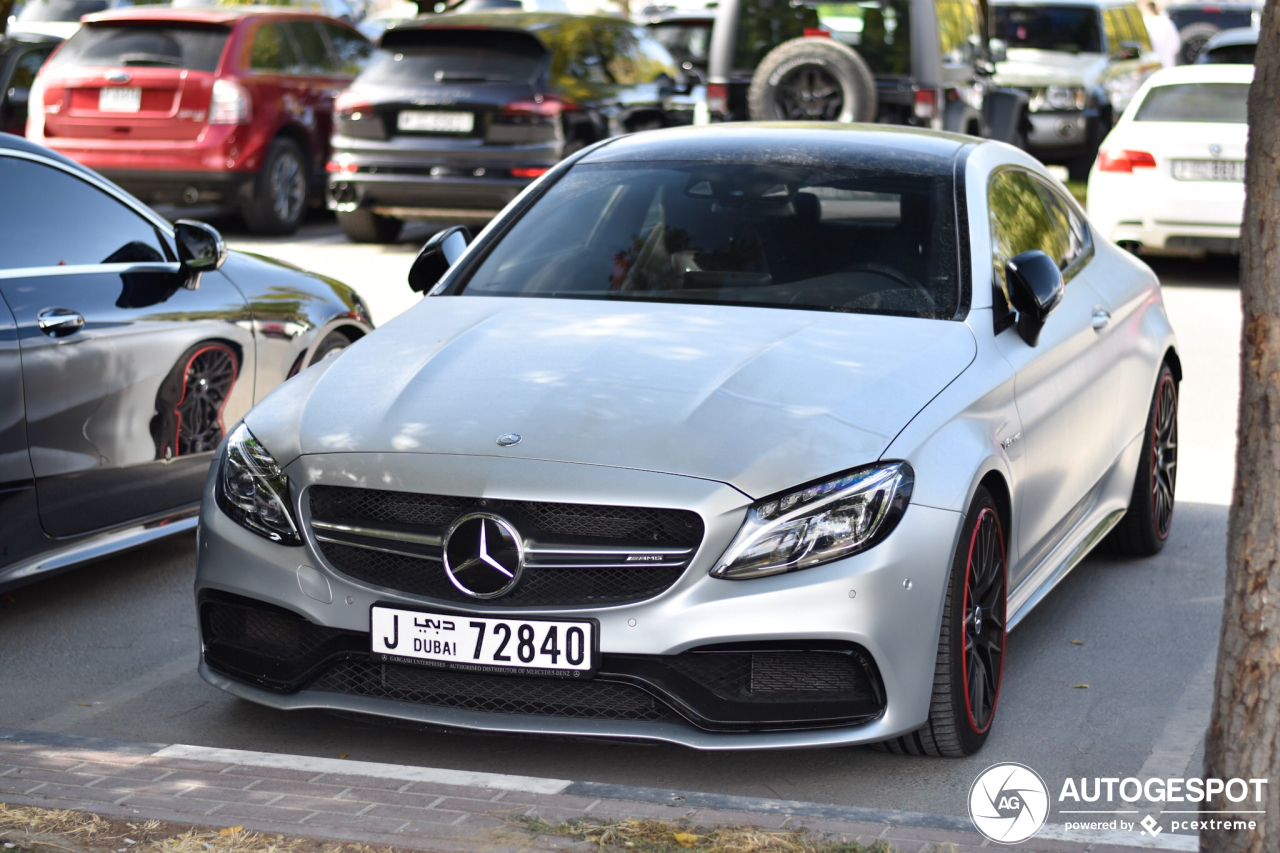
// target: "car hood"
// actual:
[[761, 399], [1029, 68]]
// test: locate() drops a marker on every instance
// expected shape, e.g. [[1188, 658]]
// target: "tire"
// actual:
[[971, 651], [1194, 38], [812, 79], [333, 343], [1146, 524], [365, 226], [191, 398], [1078, 169], [281, 191]]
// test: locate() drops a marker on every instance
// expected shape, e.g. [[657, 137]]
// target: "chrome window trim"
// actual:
[[98, 182], [171, 267]]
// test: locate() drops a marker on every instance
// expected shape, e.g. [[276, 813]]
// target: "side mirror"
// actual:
[[1035, 288], [1130, 49], [997, 50], [200, 249], [439, 253]]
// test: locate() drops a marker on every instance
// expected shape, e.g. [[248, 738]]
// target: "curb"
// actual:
[[892, 823]]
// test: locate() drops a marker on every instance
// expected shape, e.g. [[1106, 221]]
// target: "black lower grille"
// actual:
[[776, 676], [498, 694], [584, 553], [268, 645]]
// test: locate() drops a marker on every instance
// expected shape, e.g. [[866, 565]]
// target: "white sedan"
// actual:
[[1170, 176]]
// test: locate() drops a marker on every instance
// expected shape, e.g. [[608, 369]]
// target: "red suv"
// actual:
[[201, 105]]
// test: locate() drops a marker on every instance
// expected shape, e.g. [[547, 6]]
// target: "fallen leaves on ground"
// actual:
[[660, 836]]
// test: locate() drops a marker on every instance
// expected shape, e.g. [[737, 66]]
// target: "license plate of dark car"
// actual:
[[481, 643], [436, 122]]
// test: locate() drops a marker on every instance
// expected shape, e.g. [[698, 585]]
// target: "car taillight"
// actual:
[[717, 98], [531, 172], [926, 104], [341, 166], [546, 106], [1125, 161], [816, 32], [352, 105], [230, 103]]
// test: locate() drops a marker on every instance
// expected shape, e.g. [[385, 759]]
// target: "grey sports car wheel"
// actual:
[[971, 642]]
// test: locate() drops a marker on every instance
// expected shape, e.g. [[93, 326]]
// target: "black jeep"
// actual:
[[919, 62]]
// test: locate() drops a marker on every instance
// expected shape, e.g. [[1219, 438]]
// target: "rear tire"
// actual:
[[333, 343], [281, 191], [812, 79], [1145, 526], [365, 226], [971, 642], [1078, 169]]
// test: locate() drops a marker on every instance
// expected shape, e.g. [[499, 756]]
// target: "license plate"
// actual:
[[484, 644], [436, 122], [1208, 170], [122, 100]]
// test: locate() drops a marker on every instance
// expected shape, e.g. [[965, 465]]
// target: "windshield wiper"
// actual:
[[470, 77]]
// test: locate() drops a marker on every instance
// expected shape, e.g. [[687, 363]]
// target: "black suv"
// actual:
[[457, 113], [1199, 22], [916, 62]]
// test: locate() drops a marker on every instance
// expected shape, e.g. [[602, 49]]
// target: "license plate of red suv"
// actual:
[[120, 100]]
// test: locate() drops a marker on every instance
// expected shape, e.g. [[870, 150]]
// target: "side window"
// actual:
[[620, 52], [312, 51], [351, 50], [271, 50], [652, 59], [1116, 24], [1020, 222], [765, 24], [1138, 26], [24, 73], [60, 220], [957, 30], [1073, 233]]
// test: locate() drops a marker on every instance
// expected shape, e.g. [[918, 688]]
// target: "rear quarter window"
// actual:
[[140, 44]]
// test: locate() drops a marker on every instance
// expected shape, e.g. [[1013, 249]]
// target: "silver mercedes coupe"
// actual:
[[733, 437]]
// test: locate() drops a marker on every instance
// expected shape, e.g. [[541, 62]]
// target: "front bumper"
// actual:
[[861, 603]]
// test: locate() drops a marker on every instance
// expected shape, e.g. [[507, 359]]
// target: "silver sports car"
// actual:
[[732, 437]]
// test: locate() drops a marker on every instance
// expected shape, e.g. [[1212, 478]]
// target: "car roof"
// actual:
[[211, 15], [797, 143], [20, 143], [28, 38], [1237, 35], [1212, 73]]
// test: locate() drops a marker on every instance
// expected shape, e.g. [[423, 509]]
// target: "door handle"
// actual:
[[59, 322], [1101, 317]]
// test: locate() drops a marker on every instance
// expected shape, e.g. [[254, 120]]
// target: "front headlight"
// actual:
[[819, 523], [1058, 98], [253, 490]]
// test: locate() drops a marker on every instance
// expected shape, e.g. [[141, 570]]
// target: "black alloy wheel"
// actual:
[[984, 621], [971, 641], [809, 93], [1164, 455], [1145, 527], [210, 374], [281, 190]]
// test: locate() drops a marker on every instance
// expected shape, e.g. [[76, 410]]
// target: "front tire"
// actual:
[[1145, 526], [971, 642]]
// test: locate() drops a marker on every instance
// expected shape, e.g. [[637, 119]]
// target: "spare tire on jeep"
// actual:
[[812, 79]]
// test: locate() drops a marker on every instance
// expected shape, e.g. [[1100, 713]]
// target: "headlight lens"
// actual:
[[253, 490], [819, 523], [1058, 98]]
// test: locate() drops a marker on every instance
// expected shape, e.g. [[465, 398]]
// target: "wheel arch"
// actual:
[[297, 134], [1175, 363]]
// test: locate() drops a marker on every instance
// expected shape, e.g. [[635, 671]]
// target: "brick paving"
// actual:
[[130, 781]]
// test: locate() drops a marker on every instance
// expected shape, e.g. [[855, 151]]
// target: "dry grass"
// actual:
[[660, 836], [25, 829]]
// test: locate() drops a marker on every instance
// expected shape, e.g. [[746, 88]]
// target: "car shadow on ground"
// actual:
[[1209, 271]]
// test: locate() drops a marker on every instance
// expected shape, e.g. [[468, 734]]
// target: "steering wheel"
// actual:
[[890, 272]]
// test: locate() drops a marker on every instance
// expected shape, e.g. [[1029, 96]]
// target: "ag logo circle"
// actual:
[[1008, 803]]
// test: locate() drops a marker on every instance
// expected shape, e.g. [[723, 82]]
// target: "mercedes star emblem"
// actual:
[[509, 439], [483, 555]]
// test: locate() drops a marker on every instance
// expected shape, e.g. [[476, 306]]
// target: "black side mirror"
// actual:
[[200, 249], [439, 253], [1035, 288]]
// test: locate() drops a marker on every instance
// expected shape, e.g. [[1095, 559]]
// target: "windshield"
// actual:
[[132, 44], [36, 11], [1227, 103], [817, 238], [1072, 29]]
